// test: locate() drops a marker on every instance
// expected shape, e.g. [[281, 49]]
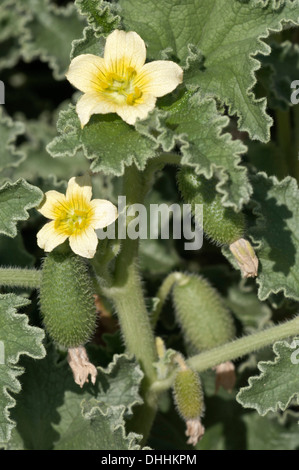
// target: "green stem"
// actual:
[[18, 277], [127, 296], [163, 293], [287, 142], [233, 350]]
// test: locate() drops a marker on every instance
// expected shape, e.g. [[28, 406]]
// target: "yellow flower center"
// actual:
[[73, 217], [121, 87]]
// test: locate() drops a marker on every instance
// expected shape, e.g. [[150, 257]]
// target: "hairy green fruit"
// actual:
[[188, 395], [204, 319], [66, 299], [221, 224]]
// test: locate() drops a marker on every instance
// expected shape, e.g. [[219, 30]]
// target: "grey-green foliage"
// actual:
[[48, 33], [38, 165], [228, 35], [194, 123], [277, 383], [108, 141], [15, 201], [99, 14], [279, 70], [75, 418], [17, 338], [11, 28], [275, 230], [10, 155]]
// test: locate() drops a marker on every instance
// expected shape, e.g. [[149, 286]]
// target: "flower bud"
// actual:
[[245, 257]]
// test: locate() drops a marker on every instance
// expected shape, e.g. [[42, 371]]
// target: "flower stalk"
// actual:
[[127, 296], [233, 350], [18, 277]]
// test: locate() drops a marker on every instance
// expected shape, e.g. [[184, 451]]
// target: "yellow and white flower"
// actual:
[[121, 82], [74, 216]]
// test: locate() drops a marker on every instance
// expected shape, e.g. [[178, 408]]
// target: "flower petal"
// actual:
[[53, 204], [160, 77], [85, 243], [104, 213], [124, 45], [93, 103], [79, 189], [49, 237], [130, 113], [86, 71]]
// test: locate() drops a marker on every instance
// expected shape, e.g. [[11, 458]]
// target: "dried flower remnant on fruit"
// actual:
[[225, 376], [74, 216], [121, 82], [245, 257], [195, 431], [81, 367]]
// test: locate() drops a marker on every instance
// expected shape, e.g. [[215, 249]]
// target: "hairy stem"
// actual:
[[127, 296], [18, 277], [163, 293], [233, 350]]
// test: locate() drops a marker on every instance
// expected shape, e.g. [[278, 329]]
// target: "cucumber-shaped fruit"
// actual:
[[220, 224], [66, 299], [188, 395], [205, 321]]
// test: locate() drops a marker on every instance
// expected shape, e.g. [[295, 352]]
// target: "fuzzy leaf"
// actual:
[[49, 32], [277, 384], [99, 14], [16, 338], [10, 156], [194, 123], [11, 27], [103, 429], [277, 211], [228, 35], [268, 158], [15, 200], [61, 402], [265, 433], [108, 141], [91, 43], [252, 313], [231, 427], [38, 163], [279, 70]]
